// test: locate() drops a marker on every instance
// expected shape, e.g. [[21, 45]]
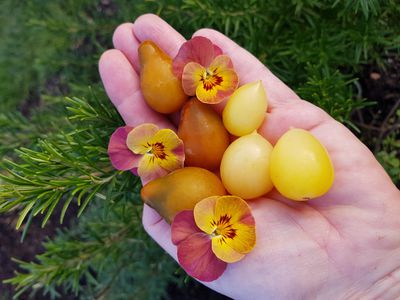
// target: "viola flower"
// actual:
[[205, 71], [146, 150], [220, 230]]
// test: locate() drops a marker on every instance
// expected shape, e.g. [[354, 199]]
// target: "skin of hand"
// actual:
[[344, 245]]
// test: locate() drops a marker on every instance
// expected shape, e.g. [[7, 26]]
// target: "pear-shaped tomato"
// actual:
[[203, 134], [160, 88], [181, 190]]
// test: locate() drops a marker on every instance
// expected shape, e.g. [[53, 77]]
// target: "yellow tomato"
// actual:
[[300, 166], [245, 109], [245, 167]]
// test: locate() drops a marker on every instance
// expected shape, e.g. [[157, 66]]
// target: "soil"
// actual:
[[12, 247], [382, 86], [377, 121]]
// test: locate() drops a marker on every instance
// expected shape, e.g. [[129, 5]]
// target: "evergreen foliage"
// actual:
[[109, 251], [65, 166], [55, 148]]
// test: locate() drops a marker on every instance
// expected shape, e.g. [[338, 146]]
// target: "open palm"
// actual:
[[345, 244]]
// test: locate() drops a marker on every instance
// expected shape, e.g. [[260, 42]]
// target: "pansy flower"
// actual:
[[146, 150], [205, 71], [220, 230]]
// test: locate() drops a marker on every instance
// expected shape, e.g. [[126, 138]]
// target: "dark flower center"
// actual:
[[157, 149], [210, 79], [224, 228]]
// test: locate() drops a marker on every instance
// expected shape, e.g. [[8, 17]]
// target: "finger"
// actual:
[[159, 230], [291, 114], [152, 27], [122, 86], [125, 41], [249, 68]]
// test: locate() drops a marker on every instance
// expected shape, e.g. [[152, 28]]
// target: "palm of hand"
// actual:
[[304, 250]]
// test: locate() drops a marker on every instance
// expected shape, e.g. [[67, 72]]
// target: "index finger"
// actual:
[[117, 67], [152, 27]]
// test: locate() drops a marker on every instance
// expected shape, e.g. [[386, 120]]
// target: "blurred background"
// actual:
[[79, 232]]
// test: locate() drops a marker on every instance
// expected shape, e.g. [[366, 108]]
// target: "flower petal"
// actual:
[[224, 251], [173, 154], [208, 96], [171, 162], [138, 138], [191, 77], [222, 62], [120, 156], [229, 83], [217, 50], [168, 138], [204, 214], [183, 226], [244, 240], [179, 152], [222, 82], [197, 258], [198, 49], [202, 50], [234, 206], [150, 169], [242, 224]]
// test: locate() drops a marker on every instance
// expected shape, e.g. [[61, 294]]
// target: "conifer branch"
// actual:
[[65, 167], [109, 241]]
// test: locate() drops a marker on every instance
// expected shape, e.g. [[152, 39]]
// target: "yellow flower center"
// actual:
[[223, 228], [210, 79], [157, 150]]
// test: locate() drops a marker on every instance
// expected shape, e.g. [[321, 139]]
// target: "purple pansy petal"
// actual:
[[120, 156], [179, 152], [198, 49], [217, 51], [197, 259], [135, 171], [183, 226]]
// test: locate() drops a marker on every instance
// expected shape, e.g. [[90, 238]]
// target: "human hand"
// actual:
[[344, 245]]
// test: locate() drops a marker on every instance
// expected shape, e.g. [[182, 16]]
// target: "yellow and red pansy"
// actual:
[[146, 150], [220, 230], [205, 71]]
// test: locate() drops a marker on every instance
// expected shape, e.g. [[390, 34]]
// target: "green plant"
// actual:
[[389, 155], [55, 148], [108, 250]]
